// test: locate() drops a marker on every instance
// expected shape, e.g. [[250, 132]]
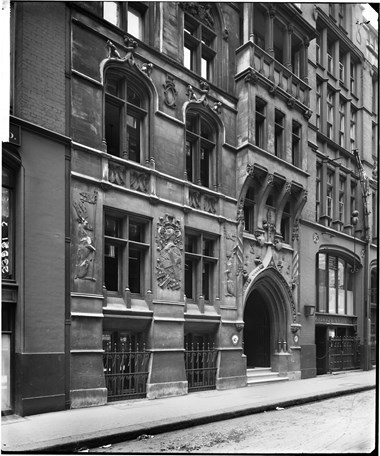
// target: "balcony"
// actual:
[[272, 74]]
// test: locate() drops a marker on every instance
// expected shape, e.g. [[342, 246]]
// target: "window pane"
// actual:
[[341, 286], [133, 97], [111, 12], [112, 123], [134, 23], [350, 290], [190, 243], [206, 281], [204, 68], [134, 270], [112, 227], [6, 353], [205, 167], [111, 266], [208, 247], [333, 266], [189, 280], [187, 58], [136, 231], [189, 161], [133, 138]]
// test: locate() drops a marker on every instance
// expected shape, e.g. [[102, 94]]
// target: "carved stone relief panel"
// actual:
[[169, 244], [116, 174], [139, 181], [85, 210]]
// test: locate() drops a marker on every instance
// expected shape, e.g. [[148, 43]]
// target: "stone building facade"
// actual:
[[182, 178]]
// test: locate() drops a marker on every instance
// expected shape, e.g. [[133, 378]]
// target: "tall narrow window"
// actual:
[[342, 123], [200, 265], [249, 205], [374, 216], [200, 150], [342, 196], [330, 114], [318, 48], [260, 123], [352, 196], [353, 77], [329, 196], [318, 113], [285, 223], [353, 130], [341, 15], [296, 144], [125, 253], [330, 57], [279, 118], [341, 67], [318, 189], [124, 117], [199, 45]]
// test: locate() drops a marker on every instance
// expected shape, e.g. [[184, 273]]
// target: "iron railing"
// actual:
[[200, 365], [125, 371], [344, 353]]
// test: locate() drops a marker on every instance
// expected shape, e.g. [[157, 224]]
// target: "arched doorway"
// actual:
[[257, 331]]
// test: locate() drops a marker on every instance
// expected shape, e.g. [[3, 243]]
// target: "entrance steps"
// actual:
[[263, 375]]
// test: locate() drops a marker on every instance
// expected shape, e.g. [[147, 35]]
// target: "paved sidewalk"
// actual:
[[71, 430]]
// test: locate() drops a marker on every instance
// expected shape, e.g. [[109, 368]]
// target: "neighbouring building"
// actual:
[[189, 198]]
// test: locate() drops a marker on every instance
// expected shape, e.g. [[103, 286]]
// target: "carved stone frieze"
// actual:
[[116, 174], [139, 181], [194, 199], [230, 272], [169, 243], [209, 203]]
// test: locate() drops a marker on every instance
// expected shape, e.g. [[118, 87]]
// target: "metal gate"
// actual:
[[200, 365], [344, 353], [125, 370]]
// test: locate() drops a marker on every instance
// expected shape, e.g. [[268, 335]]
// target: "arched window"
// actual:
[[200, 149], [335, 282], [125, 117]]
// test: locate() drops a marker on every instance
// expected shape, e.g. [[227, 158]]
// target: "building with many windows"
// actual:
[[189, 198]]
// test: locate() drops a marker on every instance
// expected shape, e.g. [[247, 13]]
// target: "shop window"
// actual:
[[335, 285], [201, 258], [249, 208], [126, 15], [125, 118], [200, 149], [199, 45], [126, 248], [7, 225], [260, 122], [279, 120], [296, 144]]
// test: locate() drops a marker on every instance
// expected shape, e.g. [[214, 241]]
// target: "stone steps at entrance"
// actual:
[[263, 375]]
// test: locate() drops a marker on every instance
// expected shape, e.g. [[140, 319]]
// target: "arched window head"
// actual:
[[200, 149], [125, 117]]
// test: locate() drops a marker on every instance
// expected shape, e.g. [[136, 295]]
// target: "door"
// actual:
[[256, 332]]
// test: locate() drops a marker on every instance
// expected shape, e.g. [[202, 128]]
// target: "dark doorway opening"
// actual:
[[322, 349], [256, 331]]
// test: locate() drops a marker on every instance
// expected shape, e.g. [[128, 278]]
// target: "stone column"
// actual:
[[269, 31], [287, 49]]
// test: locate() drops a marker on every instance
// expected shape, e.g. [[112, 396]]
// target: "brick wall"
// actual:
[[40, 64]]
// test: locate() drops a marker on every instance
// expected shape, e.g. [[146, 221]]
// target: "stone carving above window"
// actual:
[[169, 241], [194, 199], [209, 203], [200, 11], [204, 89]]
